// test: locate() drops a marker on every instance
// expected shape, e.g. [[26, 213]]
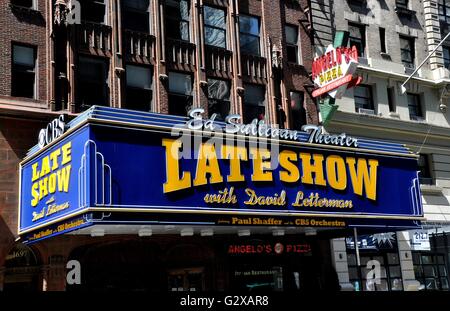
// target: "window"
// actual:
[[446, 52], [178, 19], [135, 15], [23, 3], [444, 10], [139, 88], [390, 271], [249, 35], [254, 102], [430, 269], [92, 82], [391, 99], [93, 11], [218, 98], [363, 97], [424, 170], [23, 75], [402, 4], [357, 38], [180, 93], [407, 51], [298, 111], [292, 44], [383, 40], [414, 107], [215, 26]]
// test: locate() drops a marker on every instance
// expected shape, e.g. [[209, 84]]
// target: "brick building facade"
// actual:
[[165, 56]]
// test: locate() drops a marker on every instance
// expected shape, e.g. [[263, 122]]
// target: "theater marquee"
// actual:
[[116, 166]]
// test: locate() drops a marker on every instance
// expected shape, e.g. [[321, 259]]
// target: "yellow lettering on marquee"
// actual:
[[235, 154], [363, 177], [316, 168], [173, 180], [63, 178], [336, 173], [207, 164], [259, 165], [291, 173]]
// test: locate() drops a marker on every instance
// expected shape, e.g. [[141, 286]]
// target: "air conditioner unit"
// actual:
[[366, 111], [417, 118]]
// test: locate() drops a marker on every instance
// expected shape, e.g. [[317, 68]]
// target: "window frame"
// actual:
[[224, 29], [418, 105], [370, 98], [412, 51], [446, 59], [17, 68], [97, 2], [426, 178], [296, 46], [301, 110], [404, 4], [32, 7], [388, 267], [135, 11], [168, 18], [362, 40], [185, 96], [383, 46], [135, 88], [242, 33], [220, 101], [247, 103], [444, 5], [106, 72]]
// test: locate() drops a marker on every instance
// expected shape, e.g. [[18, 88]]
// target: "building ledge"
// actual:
[[430, 189], [389, 124]]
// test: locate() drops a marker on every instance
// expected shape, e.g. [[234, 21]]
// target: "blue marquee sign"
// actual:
[[147, 168]]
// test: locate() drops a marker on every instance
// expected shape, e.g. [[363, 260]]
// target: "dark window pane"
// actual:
[[249, 25], [357, 38], [292, 54], [218, 98], [446, 52], [291, 35], [180, 83], [298, 110], [424, 170], [180, 93], [254, 102], [407, 51], [249, 35], [23, 84], [23, 3], [395, 272], [177, 19], [215, 37], [179, 104], [93, 11], [138, 99], [414, 106], [139, 85], [393, 259], [382, 40], [92, 82], [214, 17], [363, 97], [249, 44], [23, 71], [396, 284], [137, 21]]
